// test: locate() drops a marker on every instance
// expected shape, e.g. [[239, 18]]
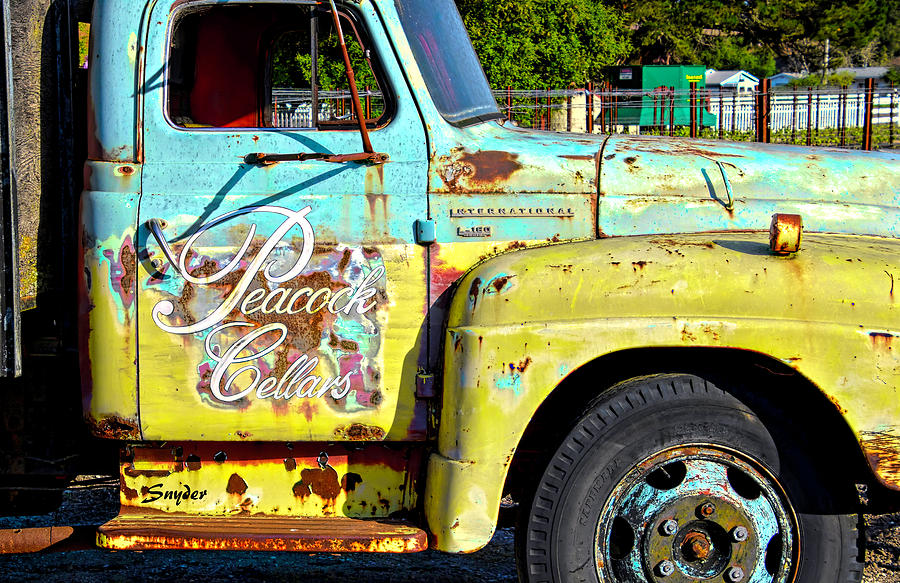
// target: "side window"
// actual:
[[269, 65]]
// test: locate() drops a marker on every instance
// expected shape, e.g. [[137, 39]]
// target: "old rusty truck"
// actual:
[[311, 293]]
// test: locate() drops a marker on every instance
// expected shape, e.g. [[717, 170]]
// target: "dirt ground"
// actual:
[[495, 563]]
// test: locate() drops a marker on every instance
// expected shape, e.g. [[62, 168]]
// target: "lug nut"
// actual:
[[707, 509], [668, 527], [739, 534], [667, 567], [734, 574]]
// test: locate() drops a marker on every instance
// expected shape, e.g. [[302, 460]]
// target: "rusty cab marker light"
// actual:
[[785, 233]]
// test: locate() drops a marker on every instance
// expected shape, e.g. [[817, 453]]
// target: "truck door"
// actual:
[[291, 302]]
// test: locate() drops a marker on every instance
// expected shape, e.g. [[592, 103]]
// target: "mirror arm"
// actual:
[[363, 131]]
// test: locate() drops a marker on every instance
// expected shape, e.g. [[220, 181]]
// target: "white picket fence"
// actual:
[[292, 108], [826, 110]]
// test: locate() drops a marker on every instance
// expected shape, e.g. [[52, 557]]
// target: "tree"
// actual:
[[533, 44], [750, 34]]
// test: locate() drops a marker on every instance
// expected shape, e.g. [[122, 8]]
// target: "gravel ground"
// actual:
[[495, 563]]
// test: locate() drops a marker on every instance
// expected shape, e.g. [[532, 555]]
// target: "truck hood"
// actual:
[[651, 185], [671, 185]]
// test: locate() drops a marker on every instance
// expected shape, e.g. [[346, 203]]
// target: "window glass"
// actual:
[[447, 61], [269, 65]]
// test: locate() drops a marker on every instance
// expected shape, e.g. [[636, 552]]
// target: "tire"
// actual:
[[630, 487]]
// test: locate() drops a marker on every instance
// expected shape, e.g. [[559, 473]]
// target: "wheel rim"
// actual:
[[698, 513]]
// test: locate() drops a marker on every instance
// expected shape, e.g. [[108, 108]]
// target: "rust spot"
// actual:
[[350, 481], [835, 402], [359, 432], [243, 434], [319, 481], [673, 147], [499, 282], [290, 464], [236, 485], [345, 260], [577, 157], [513, 245], [669, 242], [881, 340], [307, 409], [193, 463], [639, 264], [473, 291], [243, 533], [492, 165], [376, 398], [304, 330], [255, 138], [114, 427], [129, 493], [479, 171], [882, 451], [522, 366]]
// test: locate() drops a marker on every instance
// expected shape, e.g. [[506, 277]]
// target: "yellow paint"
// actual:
[[169, 375], [348, 487], [568, 305], [111, 345]]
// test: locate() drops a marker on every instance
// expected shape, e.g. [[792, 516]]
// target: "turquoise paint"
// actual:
[[511, 382]]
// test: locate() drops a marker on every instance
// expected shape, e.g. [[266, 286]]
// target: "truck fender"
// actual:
[[521, 323]]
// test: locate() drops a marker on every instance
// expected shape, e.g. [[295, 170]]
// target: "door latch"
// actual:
[[424, 231]]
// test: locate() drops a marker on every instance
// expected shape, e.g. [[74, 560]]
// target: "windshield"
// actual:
[[449, 65]]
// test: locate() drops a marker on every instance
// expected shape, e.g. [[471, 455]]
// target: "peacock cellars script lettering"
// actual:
[[298, 380]]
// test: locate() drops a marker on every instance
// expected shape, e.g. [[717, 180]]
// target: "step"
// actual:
[[260, 533]]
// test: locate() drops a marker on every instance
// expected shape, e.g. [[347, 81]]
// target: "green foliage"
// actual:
[[724, 34], [893, 75], [534, 44], [84, 33], [292, 63], [807, 81], [842, 79]]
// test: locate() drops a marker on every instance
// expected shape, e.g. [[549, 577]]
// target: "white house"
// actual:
[[730, 81]]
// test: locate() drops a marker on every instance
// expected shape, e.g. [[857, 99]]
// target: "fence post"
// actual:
[[508, 103], [809, 116], [842, 108], [891, 117], [733, 114], [589, 108], [794, 119], [692, 102], [615, 123], [867, 128], [548, 108], [569, 112], [763, 111], [602, 108], [368, 104], [721, 119], [672, 111]]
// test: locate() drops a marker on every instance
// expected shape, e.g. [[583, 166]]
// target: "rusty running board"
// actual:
[[46, 538], [268, 533]]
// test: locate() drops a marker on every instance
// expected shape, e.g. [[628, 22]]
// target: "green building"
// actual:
[[648, 93]]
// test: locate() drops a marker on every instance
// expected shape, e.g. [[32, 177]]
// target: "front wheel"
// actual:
[[669, 479]]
